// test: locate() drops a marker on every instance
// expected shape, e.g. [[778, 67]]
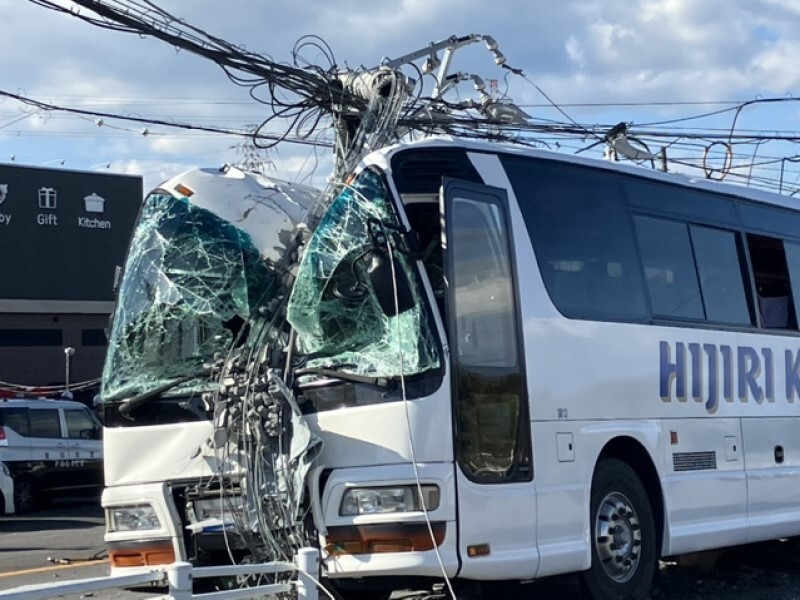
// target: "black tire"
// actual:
[[352, 593], [25, 495], [365, 595], [624, 553]]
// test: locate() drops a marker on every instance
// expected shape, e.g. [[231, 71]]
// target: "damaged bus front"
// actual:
[[398, 359], [204, 277]]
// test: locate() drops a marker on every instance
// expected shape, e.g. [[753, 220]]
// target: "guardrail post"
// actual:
[[179, 576], [308, 573]]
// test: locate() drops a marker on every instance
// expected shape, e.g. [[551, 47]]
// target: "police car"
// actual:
[[51, 448]]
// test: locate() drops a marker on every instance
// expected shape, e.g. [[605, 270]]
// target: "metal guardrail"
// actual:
[[179, 576]]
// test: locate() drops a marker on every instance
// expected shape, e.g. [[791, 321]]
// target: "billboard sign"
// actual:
[[62, 233]]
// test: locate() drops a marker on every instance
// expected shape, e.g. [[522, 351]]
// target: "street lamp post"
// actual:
[[68, 354]]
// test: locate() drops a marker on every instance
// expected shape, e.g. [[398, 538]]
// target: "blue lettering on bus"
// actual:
[[697, 382], [673, 372], [727, 372], [712, 402], [709, 374], [749, 367], [769, 374], [792, 371]]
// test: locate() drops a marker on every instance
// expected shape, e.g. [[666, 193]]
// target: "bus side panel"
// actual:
[[772, 455], [509, 532], [611, 372], [566, 453], [704, 483]]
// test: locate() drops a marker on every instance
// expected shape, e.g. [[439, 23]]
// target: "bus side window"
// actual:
[[483, 287], [580, 228], [669, 268], [776, 293]]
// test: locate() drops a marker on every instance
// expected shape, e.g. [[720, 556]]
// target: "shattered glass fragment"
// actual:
[[333, 307], [191, 284]]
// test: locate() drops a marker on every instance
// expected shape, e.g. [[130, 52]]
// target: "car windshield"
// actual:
[[334, 308], [192, 282]]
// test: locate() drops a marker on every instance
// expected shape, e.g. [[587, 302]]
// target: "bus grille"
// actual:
[[694, 461]]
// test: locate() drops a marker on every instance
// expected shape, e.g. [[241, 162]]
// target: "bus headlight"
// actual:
[[139, 517], [379, 500], [215, 508]]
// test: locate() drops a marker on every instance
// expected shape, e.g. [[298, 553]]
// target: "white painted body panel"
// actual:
[[7, 490], [379, 435], [158, 453], [705, 508], [503, 516], [774, 489]]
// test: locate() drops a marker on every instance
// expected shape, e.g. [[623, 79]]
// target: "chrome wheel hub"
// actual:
[[618, 537]]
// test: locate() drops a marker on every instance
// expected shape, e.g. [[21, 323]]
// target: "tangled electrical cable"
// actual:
[[316, 102]]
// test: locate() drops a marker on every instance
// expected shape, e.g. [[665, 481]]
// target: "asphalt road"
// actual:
[[58, 544], [66, 542]]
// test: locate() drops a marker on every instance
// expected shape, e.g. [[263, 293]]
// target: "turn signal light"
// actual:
[[184, 191], [142, 556], [374, 539], [479, 550]]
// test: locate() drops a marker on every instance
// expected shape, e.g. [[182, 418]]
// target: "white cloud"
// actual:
[[576, 50]]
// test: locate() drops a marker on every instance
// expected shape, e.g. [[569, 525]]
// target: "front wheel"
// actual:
[[25, 495], [624, 554]]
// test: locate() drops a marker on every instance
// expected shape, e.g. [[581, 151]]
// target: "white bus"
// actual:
[[523, 364]]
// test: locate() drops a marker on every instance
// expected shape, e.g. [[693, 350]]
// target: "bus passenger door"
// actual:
[[494, 468]]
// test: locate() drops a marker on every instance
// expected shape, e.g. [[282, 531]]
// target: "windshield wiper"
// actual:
[[126, 406], [381, 382]]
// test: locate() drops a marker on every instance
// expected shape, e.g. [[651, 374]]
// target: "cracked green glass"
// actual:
[[192, 281], [333, 307]]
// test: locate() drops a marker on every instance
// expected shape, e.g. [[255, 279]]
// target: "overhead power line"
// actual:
[[154, 121]]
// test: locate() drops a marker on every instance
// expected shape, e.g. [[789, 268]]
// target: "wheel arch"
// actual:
[[635, 454]]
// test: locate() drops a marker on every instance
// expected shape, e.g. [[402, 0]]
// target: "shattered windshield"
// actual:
[[192, 281], [334, 308]]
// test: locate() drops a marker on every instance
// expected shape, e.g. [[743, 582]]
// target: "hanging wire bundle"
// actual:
[[317, 102]]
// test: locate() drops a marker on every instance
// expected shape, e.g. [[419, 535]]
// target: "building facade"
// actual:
[[63, 235]]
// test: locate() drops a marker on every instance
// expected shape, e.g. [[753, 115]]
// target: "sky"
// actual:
[[601, 62]]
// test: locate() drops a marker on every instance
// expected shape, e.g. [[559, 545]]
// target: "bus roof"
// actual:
[[384, 155]]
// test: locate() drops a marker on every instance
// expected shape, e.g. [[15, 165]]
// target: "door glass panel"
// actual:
[[45, 423], [15, 419], [493, 444], [79, 424], [482, 283]]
